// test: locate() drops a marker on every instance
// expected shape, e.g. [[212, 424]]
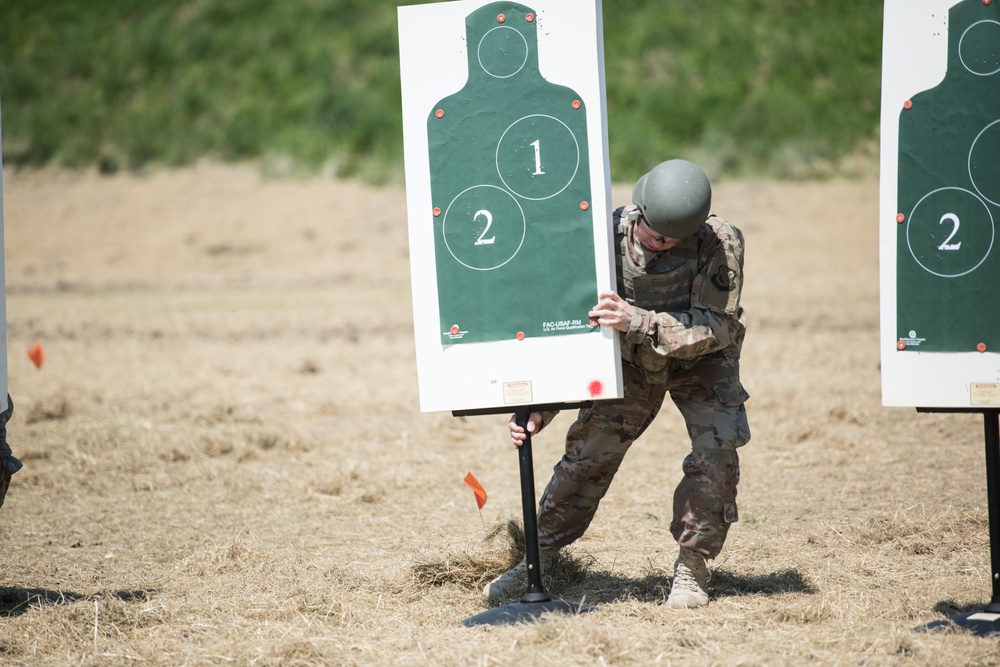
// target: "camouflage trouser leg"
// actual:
[[705, 499], [595, 446]]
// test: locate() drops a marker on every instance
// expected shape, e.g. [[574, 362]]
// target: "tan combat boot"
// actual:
[[514, 581], [690, 588]]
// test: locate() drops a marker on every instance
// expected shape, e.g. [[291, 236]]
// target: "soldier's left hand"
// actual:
[[612, 311], [518, 434]]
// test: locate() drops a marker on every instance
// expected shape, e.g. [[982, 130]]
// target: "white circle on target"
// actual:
[[494, 62], [537, 157], [985, 160], [941, 222], [991, 41], [484, 227]]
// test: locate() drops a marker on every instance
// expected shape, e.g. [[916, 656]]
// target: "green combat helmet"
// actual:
[[674, 197]]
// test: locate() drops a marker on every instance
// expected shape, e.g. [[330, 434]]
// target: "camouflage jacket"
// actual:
[[686, 313], [686, 300]]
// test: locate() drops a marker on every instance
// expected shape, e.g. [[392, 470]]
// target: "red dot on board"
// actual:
[[596, 388]]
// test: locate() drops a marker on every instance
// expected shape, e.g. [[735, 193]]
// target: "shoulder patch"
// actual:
[[724, 279], [719, 283]]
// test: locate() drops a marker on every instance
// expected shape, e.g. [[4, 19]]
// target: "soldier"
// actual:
[[677, 308], [8, 464]]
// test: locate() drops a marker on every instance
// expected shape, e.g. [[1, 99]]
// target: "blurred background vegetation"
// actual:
[[768, 88]]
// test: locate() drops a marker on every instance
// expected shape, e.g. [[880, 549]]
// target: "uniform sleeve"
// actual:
[[714, 320], [547, 417]]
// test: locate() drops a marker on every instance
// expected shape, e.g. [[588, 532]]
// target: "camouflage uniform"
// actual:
[[684, 339], [8, 464]]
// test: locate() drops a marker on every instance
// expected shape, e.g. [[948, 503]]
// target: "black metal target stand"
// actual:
[[986, 622], [535, 601]]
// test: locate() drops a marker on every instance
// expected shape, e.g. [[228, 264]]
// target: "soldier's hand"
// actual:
[[517, 434], [612, 311]]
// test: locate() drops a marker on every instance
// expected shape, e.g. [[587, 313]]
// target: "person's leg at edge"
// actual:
[[8, 464]]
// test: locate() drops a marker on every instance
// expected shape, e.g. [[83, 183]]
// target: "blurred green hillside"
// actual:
[[779, 88]]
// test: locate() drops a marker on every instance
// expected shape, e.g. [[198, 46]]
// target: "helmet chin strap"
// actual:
[[641, 255]]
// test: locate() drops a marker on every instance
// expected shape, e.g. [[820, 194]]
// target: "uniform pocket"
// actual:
[[649, 359], [730, 392], [730, 415], [730, 512], [635, 382]]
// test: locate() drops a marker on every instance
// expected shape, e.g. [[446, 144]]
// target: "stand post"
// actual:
[[987, 622], [536, 592], [991, 420], [535, 601]]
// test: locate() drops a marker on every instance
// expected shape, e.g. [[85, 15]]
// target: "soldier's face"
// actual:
[[651, 239]]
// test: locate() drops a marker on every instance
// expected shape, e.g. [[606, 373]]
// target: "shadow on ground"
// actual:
[[952, 608], [602, 587], [15, 601]]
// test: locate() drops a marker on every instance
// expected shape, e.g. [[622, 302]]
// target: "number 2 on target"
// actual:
[[482, 240], [953, 219]]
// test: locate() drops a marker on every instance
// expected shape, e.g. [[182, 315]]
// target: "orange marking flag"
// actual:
[[477, 488], [37, 355]]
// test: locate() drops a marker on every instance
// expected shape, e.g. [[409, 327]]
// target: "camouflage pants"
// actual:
[[705, 499]]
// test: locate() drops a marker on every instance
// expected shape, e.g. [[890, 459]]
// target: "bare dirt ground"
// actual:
[[225, 461]]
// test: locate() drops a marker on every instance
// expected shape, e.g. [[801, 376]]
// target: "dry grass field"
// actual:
[[225, 462]]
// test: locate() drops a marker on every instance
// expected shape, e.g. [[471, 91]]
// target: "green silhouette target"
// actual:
[[948, 266], [510, 190]]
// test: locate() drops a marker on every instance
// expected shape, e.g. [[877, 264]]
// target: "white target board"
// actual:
[[508, 203], [940, 204], [3, 292]]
